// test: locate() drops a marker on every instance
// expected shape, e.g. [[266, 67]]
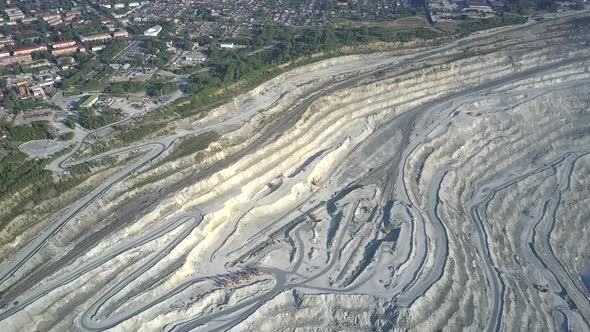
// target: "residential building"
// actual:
[[14, 14], [63, 44], [99, 37], [22, 59], [30, 50], [121, 34], [48, 18], [40, 63], [66, 62], [21, 88], [65, 51], [70, 16], [37, 91], [28, 20], [6, 42], [197, 57], [55, 22]]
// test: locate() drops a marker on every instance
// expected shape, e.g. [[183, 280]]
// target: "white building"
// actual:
[[197, 57], [153, 31], [226, 45]]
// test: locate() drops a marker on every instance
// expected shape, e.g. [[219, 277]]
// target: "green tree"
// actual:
[[188, 45], [161, 89], [70, 123]]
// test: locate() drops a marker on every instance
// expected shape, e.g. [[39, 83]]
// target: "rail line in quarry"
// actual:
[[424, 191]]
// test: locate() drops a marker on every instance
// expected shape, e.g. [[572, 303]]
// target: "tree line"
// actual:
[[151, 87], [34, 131], [280, 45], [90, 120]]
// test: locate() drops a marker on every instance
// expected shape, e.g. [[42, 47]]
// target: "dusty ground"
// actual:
[[43, 148]]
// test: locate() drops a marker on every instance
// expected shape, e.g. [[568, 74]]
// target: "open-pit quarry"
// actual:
[[429, 188]]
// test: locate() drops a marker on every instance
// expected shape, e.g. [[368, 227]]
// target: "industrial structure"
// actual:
[[89, 102], [225, 44], [153, 31]]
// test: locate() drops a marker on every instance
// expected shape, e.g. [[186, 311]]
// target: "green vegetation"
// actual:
[[35, 131], [32, 182], [70, 123], [469, 26], [187, 45], [111, 50], [137, 132], [187, 146], [66, 136], [124, 136], [275, 46], [154, 46], [86, 77], [123, 88], [191, 144], [153, 87], [17, 173], [525, 6], [92, 73], [89, 119], [162, 58], [16, 104], [161, 89], [201, 81]]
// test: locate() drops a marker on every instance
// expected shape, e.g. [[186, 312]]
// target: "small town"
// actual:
[[294, 165], [55, 54]]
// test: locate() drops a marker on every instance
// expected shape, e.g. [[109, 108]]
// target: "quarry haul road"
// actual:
[[296, 113], [8, 269], [87, 322], [414, 291], [148, 236]]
